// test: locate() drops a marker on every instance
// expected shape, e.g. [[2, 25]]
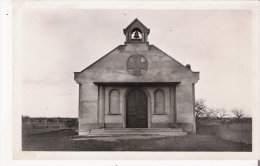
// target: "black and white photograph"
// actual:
[[167, 78]]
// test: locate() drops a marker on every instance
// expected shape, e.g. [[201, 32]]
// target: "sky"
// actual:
[[54, 43]]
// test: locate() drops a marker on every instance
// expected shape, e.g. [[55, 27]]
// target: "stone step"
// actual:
[[143, 129], [139, 134], [139, 131], [139, 128]]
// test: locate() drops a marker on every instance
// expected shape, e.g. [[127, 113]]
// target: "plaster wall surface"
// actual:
[[112, 69], [88, 103], [152, 117], [184, 103], [161, 67]]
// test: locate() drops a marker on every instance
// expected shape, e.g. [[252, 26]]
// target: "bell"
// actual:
[[136, 35]]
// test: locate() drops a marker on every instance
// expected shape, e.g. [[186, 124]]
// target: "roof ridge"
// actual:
[[136, 19]]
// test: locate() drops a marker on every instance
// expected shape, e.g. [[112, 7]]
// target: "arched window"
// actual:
[[114, 99], [159, 98]]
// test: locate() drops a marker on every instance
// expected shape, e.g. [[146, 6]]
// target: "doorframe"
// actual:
[[149, 106]]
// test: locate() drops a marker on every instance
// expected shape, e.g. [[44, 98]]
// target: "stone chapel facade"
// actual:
[[136, 85]]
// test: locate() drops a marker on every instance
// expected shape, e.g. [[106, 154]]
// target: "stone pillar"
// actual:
[[101, 105], [127, 37], [193, 96], [150, 107], [143, 37], [88, 114], [172, 104], [79, 114], [123, 107], [184, 107]]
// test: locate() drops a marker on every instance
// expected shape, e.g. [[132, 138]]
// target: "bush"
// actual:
[[72, 123]]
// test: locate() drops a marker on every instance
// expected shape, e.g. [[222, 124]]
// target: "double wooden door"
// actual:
[[136, 111]]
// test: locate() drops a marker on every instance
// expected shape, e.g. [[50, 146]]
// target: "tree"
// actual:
[[200, 108], [239, 113], [219, 113], [72, 123]]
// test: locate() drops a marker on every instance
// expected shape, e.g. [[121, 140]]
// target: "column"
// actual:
[[127, 37], [143, 37], [101, 105], [172, 104], [193, 98]]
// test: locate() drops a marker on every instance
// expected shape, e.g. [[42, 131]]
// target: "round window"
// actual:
[[137, 65]]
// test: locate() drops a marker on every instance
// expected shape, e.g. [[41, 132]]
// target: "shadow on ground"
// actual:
[[68, 140]]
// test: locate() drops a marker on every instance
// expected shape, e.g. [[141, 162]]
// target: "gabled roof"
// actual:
[[134, 24]]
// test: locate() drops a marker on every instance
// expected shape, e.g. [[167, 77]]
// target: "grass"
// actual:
[[68, 140]]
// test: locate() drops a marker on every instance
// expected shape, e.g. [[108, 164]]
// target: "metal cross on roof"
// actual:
[[135, 63]]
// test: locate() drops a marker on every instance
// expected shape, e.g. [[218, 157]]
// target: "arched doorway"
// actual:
[[136, 109]]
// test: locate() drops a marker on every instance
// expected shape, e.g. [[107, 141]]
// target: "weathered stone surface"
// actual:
[[161, 68], [159, 71]]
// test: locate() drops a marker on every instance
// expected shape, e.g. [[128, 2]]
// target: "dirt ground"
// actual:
[[68, 140]]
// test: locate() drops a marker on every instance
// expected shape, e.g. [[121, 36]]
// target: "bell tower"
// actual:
[[136, 32]]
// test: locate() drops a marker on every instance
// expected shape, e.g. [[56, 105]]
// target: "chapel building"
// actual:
[[136, 85]]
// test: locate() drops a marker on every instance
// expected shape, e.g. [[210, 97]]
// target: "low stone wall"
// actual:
[[42, 127], [233, 132], [27, 131]]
